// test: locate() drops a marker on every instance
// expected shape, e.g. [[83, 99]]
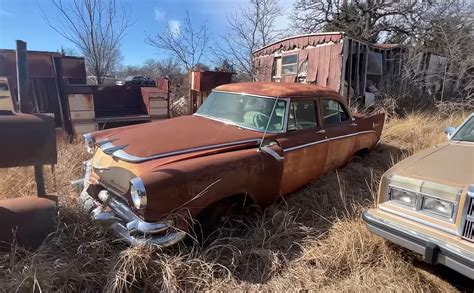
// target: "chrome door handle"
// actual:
[[321, 131]]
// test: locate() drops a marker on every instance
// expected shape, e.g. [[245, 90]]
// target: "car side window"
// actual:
[[302, 115], [333, 112]]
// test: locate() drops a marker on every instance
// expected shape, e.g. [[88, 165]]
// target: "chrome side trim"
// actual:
[[326, 140], [418, 220], [305, 145], [102, 142], [89, 141], [123, 155], [272, 153], [113, 149]]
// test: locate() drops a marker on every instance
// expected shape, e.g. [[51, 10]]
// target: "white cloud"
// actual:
[[174, 26], [160, 15]]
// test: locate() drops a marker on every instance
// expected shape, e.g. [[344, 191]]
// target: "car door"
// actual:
[[340, 131], [304, 145]]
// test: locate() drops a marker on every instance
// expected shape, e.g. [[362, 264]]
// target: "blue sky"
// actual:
[[22, 19]]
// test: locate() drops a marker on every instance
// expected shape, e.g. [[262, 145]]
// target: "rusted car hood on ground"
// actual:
[[174, 135], [450, 163]]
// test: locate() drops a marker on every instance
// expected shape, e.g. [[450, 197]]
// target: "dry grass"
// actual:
[[313, 239]]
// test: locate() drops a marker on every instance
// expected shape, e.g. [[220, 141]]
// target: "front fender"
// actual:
[[196, 183]]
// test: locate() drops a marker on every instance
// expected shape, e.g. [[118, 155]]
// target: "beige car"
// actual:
[[426, 202]]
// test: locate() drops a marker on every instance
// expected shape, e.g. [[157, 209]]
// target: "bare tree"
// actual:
[[185, 43], [250, 28], [95, 27], [164, 67], [443, 52], [151, 68], [370, 20]]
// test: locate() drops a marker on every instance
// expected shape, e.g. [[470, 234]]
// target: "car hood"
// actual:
[[451, 163], [184, 134]]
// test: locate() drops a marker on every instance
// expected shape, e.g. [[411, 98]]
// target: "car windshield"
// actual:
[[466, 132], [129, 78], [245, 110]]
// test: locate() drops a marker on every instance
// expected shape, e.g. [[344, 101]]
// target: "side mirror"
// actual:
[[449, 131]]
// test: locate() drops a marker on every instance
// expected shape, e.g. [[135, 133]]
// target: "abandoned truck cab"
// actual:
[[426, 202], [249, 143]]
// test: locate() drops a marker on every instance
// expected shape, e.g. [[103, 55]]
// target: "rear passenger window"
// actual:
[[333, 112], [302, 115]]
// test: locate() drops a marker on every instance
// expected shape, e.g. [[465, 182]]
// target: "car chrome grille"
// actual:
[[468, 230]]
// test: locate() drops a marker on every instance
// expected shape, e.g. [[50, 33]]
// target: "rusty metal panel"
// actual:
[[323, 65], [335, 67], [155, 103], [39, 64], [81, 102], [162, 84], [151, 95], [158, 112], [6, 102], [300, 42], [83, 128], [73, 67], [82, 115], [313, 61], [207, 80], [114, 101], [28, 220], [264, 66], [27, 140]]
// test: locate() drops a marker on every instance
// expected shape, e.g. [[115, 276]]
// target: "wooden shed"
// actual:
[[356, 69]]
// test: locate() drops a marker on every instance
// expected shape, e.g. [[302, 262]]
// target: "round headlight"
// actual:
[[138, 193]]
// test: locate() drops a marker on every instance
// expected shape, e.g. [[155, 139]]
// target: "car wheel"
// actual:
[[220, 217]]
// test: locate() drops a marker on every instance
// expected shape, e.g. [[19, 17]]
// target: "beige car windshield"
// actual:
[[466, 132]]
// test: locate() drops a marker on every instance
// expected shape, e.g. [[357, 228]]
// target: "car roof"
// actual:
[[278, 89]]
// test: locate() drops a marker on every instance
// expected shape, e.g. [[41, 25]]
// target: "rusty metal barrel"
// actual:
[[27, 220], [27, 140]]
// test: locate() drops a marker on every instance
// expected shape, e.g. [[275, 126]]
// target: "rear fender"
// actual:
[[370, 130]]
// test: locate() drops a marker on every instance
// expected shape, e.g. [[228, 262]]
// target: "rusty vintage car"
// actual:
[[248, 143], [426, 202]]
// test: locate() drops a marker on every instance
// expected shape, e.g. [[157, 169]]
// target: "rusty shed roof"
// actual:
[[277, 89], [300, 41], [313, 39]]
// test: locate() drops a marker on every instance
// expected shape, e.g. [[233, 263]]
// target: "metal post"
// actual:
[[39, 178], [24, 103], [21, 74]]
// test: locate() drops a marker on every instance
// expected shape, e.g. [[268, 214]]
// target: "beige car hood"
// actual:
[[451, 163]]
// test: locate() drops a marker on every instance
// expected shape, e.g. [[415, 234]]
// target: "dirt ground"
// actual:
[[313, 239]]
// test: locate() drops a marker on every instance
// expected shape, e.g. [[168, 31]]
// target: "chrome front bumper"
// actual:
[[113, 212], [434, 251]]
